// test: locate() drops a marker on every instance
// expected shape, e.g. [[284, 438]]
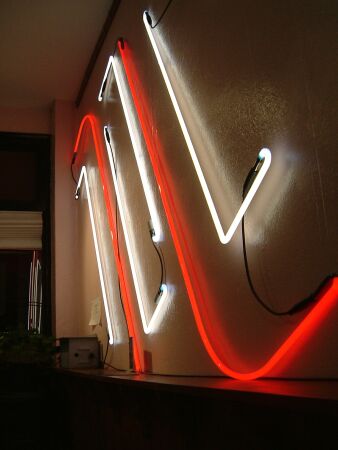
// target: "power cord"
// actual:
[[116, 217], [104, 362], [161, 16], [302, 304], [151, 230], [161, 259], [106, 352], [71, 167]]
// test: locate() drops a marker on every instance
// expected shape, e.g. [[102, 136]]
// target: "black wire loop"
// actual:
[[299, 306], [161, 16]]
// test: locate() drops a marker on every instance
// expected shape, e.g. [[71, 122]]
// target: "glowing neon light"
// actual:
[[326, 302], [104, 81], [156, 228], [90, 120], [83, 176], [147, 327], [264, 155], [327, 298], [223, 237]]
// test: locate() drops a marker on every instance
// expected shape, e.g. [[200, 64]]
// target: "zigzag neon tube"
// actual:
[[147, 327], [264, 153], [104, 80], [327, 298], [90, 120], [83, 176], [157, 232]]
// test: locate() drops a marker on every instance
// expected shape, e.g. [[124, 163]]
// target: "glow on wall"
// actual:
[[157, 232], [155, 227], [325, 300], [84, 177], [89, 121], [264, 154], [148, 327]]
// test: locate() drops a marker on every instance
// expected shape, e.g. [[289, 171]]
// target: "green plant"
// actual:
[[26, 347]]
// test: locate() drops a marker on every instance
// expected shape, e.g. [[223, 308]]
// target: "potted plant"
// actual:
[[25, 357]]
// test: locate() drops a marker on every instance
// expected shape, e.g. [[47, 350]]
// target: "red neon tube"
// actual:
[[328, 295], [91, 121]]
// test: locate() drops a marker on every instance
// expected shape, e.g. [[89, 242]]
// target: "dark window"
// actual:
[[14, 288], [25, 170]]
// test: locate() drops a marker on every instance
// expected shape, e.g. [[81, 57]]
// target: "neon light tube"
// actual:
[[223, 237], [264, 155], [147, 327], [326, 299], [104, 81], [157, 233], [83, 176], [90, 121]]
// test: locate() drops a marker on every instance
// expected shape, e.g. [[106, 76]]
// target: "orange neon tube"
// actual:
[[90, 120], [327, 297]]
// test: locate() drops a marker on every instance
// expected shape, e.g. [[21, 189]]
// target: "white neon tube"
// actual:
[[157, 232], [147, 327], [29, 296], [264, 155], [104, 81], [223, 237], [83, 176]]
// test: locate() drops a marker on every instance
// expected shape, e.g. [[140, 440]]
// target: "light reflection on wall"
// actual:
[[276, 189], [149, 326], [139, 156], [224, 236], [89, 122], [84, 177]]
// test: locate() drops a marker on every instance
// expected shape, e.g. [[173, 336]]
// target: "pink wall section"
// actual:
[[64, 235], [245, 77], [25, 120]]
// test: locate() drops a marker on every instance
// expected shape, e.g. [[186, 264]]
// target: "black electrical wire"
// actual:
[[71, 171], [116, 218], [117, 369], [106, 352], [161, 258], [118, 253], [71, 167], [299, 306], [104, 362], [161, 16], [162, 263], [156, 247]]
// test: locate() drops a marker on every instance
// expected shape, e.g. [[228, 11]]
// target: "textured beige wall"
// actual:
[[247, 76]]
